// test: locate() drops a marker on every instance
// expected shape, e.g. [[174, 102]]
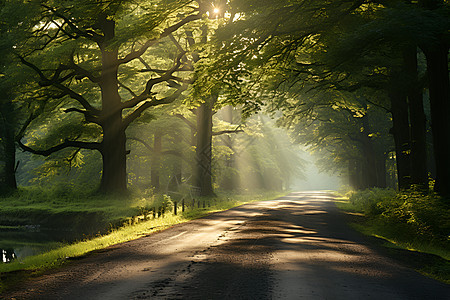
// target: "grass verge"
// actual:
[[137, 226], [408, 230]]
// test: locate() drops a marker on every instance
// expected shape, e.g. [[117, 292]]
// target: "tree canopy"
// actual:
[[150, 84]]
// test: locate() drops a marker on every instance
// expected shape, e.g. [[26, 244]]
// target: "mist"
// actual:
[[314, 178]]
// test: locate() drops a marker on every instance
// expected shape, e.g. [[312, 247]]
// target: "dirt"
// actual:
[[293, 247]]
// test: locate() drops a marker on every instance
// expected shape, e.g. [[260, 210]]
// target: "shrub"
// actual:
[[408, 212], [371, 201], [164, 202], [428, 215]]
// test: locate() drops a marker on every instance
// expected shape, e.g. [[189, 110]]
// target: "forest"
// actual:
[[113, 111]]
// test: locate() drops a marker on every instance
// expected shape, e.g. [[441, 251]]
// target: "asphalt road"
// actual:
[[294, 247]]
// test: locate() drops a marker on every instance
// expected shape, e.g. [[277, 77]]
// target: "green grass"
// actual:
[[412, 226], [134, 227], [77, 210], [57, 256]]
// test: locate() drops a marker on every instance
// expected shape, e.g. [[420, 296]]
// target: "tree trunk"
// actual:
[[400, 131], [204, 147], [365, 173], [374, 161], [439, 89], [156, 160], [353, 178], [230, 179], [419, 171], [113, 149], [8, 181], [370, 167], [380, 160], [177, 170]]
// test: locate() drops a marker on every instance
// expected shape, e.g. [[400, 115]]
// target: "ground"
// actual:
[[294, 247]]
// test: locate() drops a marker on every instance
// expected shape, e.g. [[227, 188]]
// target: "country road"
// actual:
[[294, 247]]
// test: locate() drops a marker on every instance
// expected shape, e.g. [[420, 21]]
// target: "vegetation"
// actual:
[[407, 219], [133, 218], [348, 62], [106, 104]]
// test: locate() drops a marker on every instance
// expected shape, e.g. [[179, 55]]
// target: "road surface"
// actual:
[[294, 247]]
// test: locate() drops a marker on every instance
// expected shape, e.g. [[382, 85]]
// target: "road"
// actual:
[[294, 247]]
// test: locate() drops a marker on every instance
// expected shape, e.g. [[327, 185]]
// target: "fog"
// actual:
[[314, 179]]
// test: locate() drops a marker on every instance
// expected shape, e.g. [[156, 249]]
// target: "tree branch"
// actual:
[[127, 88], [185, 120], [146, 145], [150, 148], [89, 34], [66, 144], [227, 131], [55, 82], [81, 72], [177, 44], [169, 30], [146, 94], [87, 115], [155, 102]]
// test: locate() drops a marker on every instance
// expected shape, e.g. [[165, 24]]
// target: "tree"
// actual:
[[88, 51], [13, 30], [266, 45], [436, 47]]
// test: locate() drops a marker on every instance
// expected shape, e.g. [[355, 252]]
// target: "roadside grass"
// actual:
[[136, 222], [62, 206], [415, 227]]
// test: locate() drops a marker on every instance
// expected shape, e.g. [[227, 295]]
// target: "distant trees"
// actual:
[[349, 47]]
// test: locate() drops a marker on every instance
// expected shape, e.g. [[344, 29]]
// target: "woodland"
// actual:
[[199, 97]]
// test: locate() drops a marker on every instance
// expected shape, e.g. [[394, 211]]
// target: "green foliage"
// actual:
[[411, 214], [407, 220], [369, 201], [163, 202]]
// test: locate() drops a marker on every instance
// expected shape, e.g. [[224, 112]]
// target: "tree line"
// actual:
[[89, 75], [363, 83]]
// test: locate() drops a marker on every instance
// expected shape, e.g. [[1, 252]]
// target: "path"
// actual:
[[295, 247]]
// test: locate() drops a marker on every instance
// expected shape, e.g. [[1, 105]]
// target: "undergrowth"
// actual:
[[409, 219]]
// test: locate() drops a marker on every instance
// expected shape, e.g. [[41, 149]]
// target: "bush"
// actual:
[[371, 201], [407, 212], [163, 202]]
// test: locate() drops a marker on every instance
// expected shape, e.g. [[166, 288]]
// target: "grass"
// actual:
[[414, 227], [134, 227], [76, 210]]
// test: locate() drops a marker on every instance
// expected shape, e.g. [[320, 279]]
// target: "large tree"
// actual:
[[93, 53]]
